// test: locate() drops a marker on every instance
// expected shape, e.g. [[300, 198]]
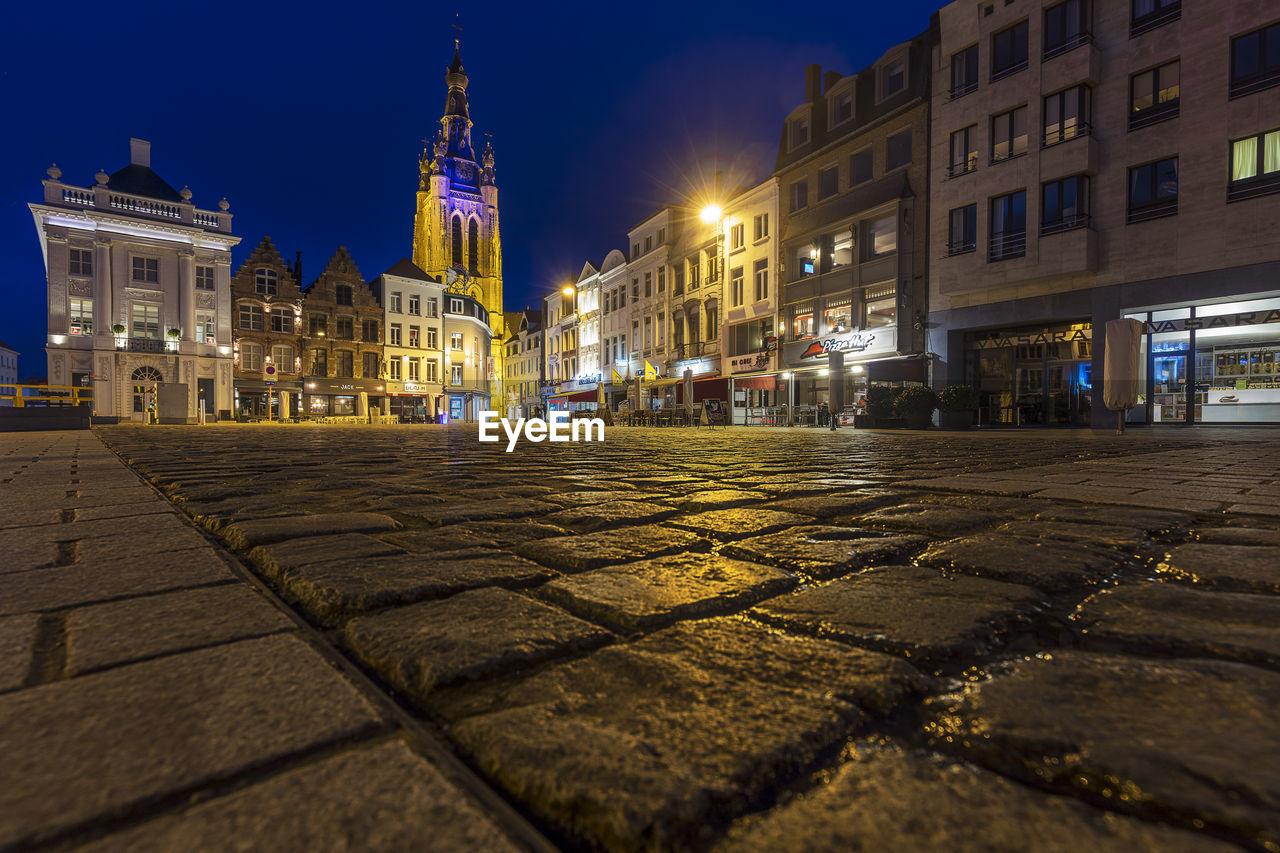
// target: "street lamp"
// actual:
[[711, 213]]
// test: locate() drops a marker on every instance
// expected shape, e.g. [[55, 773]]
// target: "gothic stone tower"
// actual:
[[456, 220]]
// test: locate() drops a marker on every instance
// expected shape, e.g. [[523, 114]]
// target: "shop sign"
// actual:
[[750, 361], [414, 388], [1221, 321], [584, 381], [847, 342], [996, 340]]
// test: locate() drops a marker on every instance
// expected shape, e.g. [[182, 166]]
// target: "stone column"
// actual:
[[104, 316], [187, 294]]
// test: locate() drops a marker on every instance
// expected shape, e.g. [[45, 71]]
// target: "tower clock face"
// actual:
[[465, 172]]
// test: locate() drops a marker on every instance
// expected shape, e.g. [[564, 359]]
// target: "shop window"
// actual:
[[828, 183], [881, 313], [1009, 135], [344, 364], [964, 151], [1064, 205], [962, 234], [1255, 61], [250, 356], [319, 405], [1154, 95], [319, 362], [882, 237], [1008, 227], [206, 327], [1066, 25], [1009, 51], [1146, 15], [344, 406], [1255, 166], [265, 282], [964, 72], [897, 151], [282, 320], [80, 262], [1153, 190], [762, 279], [80, 316]]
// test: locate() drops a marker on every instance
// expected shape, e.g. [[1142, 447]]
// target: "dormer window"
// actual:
[[265, 282], [841, 106], [893, 78], [799, 131]]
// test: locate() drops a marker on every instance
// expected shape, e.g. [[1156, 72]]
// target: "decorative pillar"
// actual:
[[187, 294], [103, 304]]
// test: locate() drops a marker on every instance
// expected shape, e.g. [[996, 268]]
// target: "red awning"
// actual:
[[757, 383], [576, 397]]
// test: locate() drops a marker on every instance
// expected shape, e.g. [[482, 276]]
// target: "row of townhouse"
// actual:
[[969, 209]]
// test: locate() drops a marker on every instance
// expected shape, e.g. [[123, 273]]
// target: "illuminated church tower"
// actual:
[[456, 220]]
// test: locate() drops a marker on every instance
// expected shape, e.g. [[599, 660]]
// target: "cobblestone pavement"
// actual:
[[739, 640]]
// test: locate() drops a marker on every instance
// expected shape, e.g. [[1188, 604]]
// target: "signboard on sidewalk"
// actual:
[[712, 412]]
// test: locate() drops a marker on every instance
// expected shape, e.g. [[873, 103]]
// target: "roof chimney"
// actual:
[[812, 83], [297, 268], [140, 152]]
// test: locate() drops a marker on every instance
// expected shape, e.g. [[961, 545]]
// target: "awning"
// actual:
[[574, 397], [661, 383], [757, 383]]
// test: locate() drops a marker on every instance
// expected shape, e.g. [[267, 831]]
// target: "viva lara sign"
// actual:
[[1220, 321]]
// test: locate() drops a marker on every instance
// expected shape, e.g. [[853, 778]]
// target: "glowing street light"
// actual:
[[568, 290], [711, 213]]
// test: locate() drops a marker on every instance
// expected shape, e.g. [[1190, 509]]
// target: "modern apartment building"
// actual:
[[1094, 159], [412, 349]]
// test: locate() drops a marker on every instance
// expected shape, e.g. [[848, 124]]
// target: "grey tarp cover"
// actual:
[[1120, 387]]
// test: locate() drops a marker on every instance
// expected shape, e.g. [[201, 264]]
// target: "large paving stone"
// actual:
[[17, 646], [578, 553], [103, 635], [649, 593], [882, 797], [918, 612], [716, 499], [1187, 741], [1237, 536], [650, 745], [837, 502], [279, 559], [1109, 535], [1046, 564], [1151, 521], [380, 797], [1169, 619], [1234, 568], [471, 635], [98, 745], [474, 534], [930, 519], [487, 510], [591, 498], [608, 515], [63, 586], [824, 552], [247, 534], [739, 523]]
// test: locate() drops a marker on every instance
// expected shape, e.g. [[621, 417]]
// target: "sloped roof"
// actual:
[[405, 268], [143, 181]]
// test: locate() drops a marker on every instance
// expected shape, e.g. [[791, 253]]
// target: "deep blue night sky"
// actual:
[[311, 123]]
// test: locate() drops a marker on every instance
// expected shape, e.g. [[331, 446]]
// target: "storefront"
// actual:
[[579, 396], [1037, 375], [253, 397], [1211, 363], [414, 403], [465, 406], [341, 397]]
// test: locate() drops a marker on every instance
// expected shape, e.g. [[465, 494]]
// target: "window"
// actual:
[[1009, 135], [346, 328], [1153, 190], [393, 369], [694, 271], [760, 226], [342, 294], [806, 261], [265, 282], [1066, 115], [635, 250], [319, 362], [455, 341], [1008, 226], [1065, 26], [882, 236], [455, 306], [964, 72], [635, 289], [1255, 61], [146, 269], [345, 366], [430, 365], [413, 370], [713, 321], [964, 151], [802, 322], [835, 316], [206, 327], [1009, 51], [433, 339], [735, 286], [962, 230], [1064, 205], [394, 303], [250, 356], [251, 317], [737, 237], [1154, 95], [80, 262], [369, 330], [881, 313], [749, 337], [662, 236], [648, 285], [455, 376], [898, 151], [799, 196], [316, 325], [799, 131], [828, 182], [1149, 14], [1255, 166], [204, 278], [80, 316], [860, 168], [415, 336], [662, 277], [433, 307], [282, 320], [842, 106], [648, 332], [648, 242], [677, 284], [282, 358], [455, 240], [762, 279], [893, 78]]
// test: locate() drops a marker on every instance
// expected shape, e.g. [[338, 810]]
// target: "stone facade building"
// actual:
[[412, 348], [138, 292], [342, 343], [749, 342], [267, 331], [524, 364], [467, 357]]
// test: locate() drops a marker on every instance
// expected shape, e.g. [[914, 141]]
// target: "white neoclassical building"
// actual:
[[138, 292]]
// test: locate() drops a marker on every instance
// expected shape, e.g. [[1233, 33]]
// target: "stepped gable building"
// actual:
[[342, 342], [267, 331], [456, 216], [138, 292]]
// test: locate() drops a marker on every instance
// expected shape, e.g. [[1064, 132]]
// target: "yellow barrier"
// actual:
[[76, 396]]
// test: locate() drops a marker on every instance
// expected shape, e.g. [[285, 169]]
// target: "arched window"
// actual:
[[455, 256], [265, 281], [144, 376], [473, 247]]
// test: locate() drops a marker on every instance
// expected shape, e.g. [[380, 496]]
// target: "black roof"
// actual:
[[142, 180], [406, 268]]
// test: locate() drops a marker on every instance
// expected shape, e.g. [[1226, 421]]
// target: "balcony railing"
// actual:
[[1008, 70], [102, 197], [1065, 134], [962, 89], [961, 247], [148, 345], [1253, 187], [1254, 83], [1154, 114], [970, 164], [1159, 18], [1011, 244], [1152, 211], [1066, 223], [1069, 44]]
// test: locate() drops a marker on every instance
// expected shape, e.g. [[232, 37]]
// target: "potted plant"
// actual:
[[958, 404], [880, 405], [916, 403], [117, 329]]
